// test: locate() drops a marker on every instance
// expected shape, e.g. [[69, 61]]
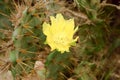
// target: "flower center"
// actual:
[[60, 39]]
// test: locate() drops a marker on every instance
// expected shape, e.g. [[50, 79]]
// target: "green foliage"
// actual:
[[4, 12], [59, 66], [89, 7], [93, 37], [83, 71]]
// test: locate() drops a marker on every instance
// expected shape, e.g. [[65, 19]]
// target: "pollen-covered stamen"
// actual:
[[60, 39]]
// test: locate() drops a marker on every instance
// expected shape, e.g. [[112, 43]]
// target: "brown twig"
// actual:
[[112, 5], [80, 15]]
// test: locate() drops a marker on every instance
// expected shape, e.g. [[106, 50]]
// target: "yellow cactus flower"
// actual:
[[59, 34]]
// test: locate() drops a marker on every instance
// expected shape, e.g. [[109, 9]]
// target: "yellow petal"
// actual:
[[76, 29], [46, 28], [54, 24], [60, 22], [53, 21], [70, 23], [59, 17], [69, 28], [76, 38], [53, 47]]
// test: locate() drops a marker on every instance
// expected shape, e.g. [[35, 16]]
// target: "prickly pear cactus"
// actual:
[[77, 52], [60, 66], [26, 36]]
